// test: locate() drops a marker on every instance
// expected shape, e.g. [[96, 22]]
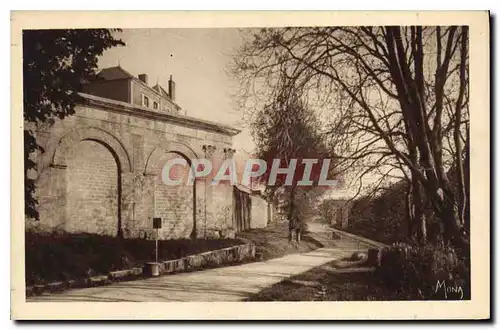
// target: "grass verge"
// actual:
[[326, 283], [62, 257], [329, 283], [272, 242]]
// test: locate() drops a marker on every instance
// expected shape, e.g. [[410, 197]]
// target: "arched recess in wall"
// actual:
[[66, 144], [173, 203], [94, 161]]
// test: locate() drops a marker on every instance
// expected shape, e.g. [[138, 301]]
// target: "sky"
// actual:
[[197, 59]]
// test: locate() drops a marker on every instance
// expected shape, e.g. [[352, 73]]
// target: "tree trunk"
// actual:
[[467, 187], [291, 214], [420, 221], [417, 225], [452, 234], [462, 195], [410, 211]]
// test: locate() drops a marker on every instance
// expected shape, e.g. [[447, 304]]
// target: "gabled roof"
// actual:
[[161, 90], [114, 73]]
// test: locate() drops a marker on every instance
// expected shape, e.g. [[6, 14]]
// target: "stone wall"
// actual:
[[259, 213], [101, 172], [92, 184], [250, 210]]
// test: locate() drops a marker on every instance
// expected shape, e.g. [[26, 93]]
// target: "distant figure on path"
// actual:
[[294, 225]]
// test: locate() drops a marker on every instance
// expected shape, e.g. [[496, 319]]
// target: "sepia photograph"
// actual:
[[264, 162]]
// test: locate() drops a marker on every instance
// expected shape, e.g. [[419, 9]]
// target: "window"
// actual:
[[155, 105], [145, 101]]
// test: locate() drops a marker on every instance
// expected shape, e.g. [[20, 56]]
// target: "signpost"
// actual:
[[156, 225], [153, 267]]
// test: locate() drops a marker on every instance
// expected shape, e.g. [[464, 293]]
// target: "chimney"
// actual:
[[171, 88], [144, 78]]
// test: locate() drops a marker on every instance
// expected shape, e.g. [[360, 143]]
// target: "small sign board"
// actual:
[[155, 235], [156, 223]]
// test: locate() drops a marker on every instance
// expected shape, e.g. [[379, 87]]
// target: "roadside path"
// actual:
[[231, 283]]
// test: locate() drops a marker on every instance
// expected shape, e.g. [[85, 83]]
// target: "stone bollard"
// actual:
[[152, 269]]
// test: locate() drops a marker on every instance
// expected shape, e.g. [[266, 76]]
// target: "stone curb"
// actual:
[[189, 263], [120, 275], [359, 238]]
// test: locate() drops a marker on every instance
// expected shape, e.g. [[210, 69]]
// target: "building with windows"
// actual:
[[101, 169], [117, 84]]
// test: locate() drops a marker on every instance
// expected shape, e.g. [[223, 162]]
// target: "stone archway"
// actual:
[[81, 190], [66, 146], [176, 205]]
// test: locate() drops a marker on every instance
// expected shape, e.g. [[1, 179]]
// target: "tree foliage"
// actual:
[[285, 130], [55, 64], [397, 102]]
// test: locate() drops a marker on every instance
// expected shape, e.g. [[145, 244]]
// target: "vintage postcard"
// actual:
[[250, 165]]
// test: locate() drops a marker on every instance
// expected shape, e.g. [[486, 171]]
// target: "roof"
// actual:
[[249, 190], [118, 73], [114, 73], [243, 188], [160, 90]]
